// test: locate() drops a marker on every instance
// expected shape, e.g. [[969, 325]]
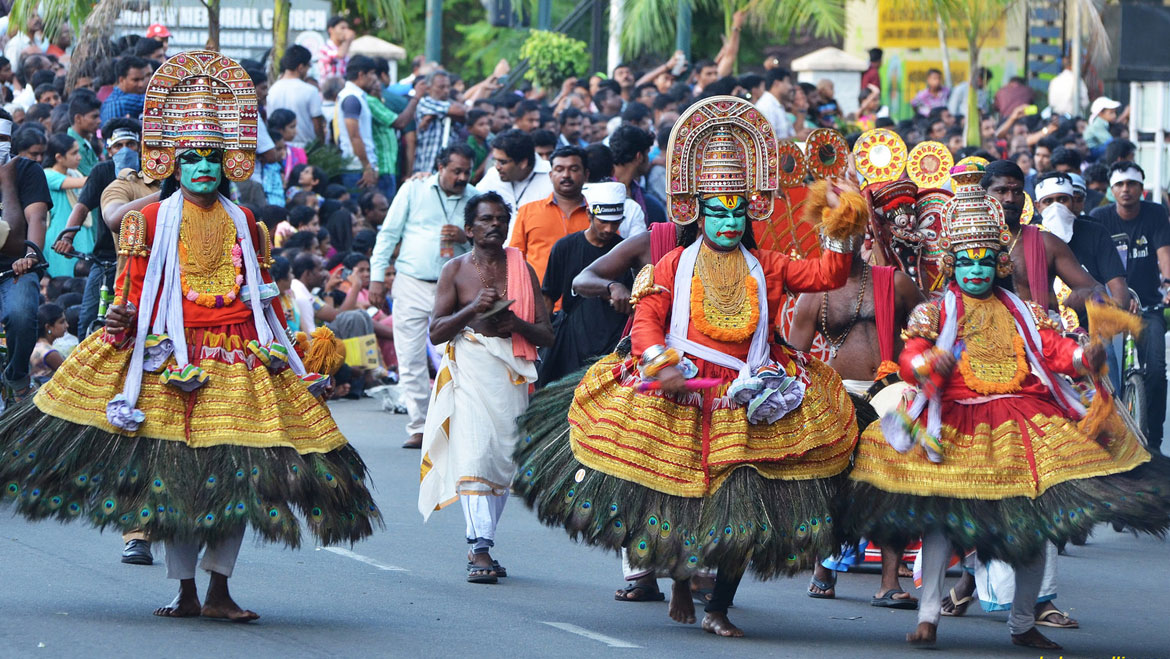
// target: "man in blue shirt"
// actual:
[[129, 94], [425, 219]]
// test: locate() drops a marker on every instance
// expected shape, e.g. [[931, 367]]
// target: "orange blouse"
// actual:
[[782, 275], [194, 315]]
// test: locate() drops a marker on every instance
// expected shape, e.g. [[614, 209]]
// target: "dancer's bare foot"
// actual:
[[702, 587], [219, 603], [185, 604], [926, 634], [682, 607], [904, 570], [1034, 639], [719, 625]]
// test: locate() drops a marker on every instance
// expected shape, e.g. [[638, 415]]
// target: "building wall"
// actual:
[[911, 47]]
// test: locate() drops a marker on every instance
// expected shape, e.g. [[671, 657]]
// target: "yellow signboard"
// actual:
[[916, 74], [900, 28]]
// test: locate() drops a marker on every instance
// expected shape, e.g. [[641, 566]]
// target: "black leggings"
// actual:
[[726, 583]]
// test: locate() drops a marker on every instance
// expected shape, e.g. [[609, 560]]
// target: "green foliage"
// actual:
[[55, 13], [649, 25], [385, 16], [552, 58], [326, 156], [482, 45]]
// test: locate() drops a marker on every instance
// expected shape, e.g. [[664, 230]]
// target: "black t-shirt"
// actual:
[[100, 177], [1089, 244], [1139, 239], [32, 188], [587, 327]]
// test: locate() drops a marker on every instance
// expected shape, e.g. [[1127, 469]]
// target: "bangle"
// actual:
[[655, 358], [608, 292]]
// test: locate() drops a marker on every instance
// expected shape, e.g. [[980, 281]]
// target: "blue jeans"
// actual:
[[1152, 344], [386, 183], [19, 299], [89, 301]]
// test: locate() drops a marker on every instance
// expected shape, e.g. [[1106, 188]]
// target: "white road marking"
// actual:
[[593, 636], [364, 559]]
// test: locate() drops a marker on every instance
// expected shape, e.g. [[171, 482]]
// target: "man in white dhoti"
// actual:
[[490, 312]]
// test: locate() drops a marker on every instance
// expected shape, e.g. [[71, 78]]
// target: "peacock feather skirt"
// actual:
[[621, 469], [249, 447], [1017, 473]]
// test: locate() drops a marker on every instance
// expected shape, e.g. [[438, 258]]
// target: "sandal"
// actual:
[[958, 605], [1043, 620], [641, 591], [827, 585], [481, 574], [888, 600], [500, 570]]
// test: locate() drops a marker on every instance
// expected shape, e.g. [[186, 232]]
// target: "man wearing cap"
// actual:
[[1141, 233], [587, 326], [1102, 113], [159, 32], [540, 224]]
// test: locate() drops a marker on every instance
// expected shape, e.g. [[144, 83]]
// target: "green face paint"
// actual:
[[975, 271], [724, 220], [200, 170]]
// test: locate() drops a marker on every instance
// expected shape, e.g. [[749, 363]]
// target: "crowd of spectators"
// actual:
[[339, 139]]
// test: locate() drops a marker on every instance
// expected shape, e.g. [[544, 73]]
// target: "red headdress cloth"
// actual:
[[199, 99]]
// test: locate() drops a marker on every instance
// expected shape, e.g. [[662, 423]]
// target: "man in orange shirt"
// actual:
[[540, 224]]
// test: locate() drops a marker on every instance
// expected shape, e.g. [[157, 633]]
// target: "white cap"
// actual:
[[1054, 185], [1102, 103], [1078, 182], [606, 200]]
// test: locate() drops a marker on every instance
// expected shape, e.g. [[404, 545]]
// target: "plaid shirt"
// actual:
[[385, 135], [120, 104], [432, 140]]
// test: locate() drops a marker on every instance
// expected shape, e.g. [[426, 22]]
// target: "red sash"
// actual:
[[883, 309], [1036, 260]]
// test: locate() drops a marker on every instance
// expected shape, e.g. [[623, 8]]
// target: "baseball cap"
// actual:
[[1102, 103], [606, 200], [158, 31]]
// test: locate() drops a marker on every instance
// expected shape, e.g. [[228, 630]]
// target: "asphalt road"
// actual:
[[64, 593]]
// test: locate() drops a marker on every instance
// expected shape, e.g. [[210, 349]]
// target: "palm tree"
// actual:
[[649, 25]]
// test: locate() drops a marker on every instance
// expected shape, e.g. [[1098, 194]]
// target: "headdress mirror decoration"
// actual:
[[973, 219], [721, 145], [879, 155], [199, 99], [929, 165], [827, 153], [792, 163]]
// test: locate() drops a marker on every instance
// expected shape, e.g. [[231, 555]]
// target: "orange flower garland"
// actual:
[[974, 383], [729, 328]]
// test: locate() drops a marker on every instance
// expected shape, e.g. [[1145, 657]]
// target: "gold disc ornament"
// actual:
[[929, 165], [879, 155], [827, 153]]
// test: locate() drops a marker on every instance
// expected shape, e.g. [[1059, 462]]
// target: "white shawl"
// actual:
[[161, 286]]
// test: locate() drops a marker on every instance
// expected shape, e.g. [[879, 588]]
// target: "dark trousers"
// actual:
[[726, 583], [1152, 344]]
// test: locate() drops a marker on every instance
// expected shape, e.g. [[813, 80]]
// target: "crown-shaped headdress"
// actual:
[[199, 99], [973, 219], [721, 145]]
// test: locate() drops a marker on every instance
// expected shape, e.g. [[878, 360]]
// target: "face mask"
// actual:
[[127, 159], [1058, 219], [975, 271], [724, 219]]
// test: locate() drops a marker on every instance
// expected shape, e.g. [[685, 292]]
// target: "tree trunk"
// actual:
[[946, 54], [212, 24], [974, 132], [279, 34]]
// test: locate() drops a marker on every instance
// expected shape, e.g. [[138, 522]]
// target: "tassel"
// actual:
[[322, 355], [1106, 320], [849, 218]]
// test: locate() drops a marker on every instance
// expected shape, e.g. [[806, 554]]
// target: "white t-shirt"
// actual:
[[537, 186], [302, 99], [304, 301]]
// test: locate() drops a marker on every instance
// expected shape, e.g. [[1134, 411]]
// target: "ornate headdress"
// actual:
[[199, 100], [973, 219], [721, 146]]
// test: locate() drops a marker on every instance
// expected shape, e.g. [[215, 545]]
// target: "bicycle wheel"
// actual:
[[1133, 396]]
